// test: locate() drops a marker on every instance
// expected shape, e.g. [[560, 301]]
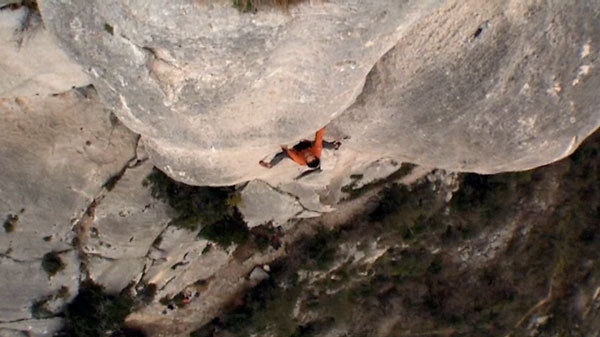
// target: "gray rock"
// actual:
[[128, 219], [31, 63], [485, 87], [115, 275], [372, 172], [12, 333], [25, 284], [180, 259], [56, 152], [126, 223], [211, 99], [9, 2], [261, 203]]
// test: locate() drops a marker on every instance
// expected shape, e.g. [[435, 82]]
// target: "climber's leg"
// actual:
[[276, 159]]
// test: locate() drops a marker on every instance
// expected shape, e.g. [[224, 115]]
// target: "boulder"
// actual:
[[211, 89], [470, 86], [484, 86]]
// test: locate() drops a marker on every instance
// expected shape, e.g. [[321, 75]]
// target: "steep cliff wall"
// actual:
[[204, 91], [462, 85]]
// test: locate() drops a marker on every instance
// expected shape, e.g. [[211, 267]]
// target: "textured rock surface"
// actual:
[[25, 283], [126, 222], [56, 152], [257, 197], [31, 63], [181, 259], [485, 86], [211, 99], [468, 86]]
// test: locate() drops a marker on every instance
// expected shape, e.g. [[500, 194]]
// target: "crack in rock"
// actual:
[[280, 191], [83, 224], [134, 162]]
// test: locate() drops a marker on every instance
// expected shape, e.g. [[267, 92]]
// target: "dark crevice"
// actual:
[[131, 163], [167, 283], [479, 30]]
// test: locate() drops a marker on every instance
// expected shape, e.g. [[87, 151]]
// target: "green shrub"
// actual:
[[318, 252], [109, 29], [93, 313], [39, 308], [228, 231], [10, 222], [52, 263], [214, 209], [147, 294]]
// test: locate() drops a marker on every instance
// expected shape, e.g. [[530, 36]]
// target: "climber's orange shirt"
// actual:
[[315, 149]]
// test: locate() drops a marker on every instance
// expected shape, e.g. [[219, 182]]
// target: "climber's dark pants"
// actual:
[[299, 147]]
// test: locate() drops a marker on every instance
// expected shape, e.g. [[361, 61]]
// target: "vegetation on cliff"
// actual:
[[510, 254]]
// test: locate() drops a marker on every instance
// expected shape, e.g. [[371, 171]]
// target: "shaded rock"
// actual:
[[22, 69], [180, 259], [234, 87], [115, 275], [258, 274]]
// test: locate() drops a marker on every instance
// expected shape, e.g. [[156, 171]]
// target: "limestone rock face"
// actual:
[[57, 152], [466, 86], [126, 223], [470, 86], [211, 89], [31, 63], [484, 86]]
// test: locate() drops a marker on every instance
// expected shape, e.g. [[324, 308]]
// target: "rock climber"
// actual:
[[305, 152]]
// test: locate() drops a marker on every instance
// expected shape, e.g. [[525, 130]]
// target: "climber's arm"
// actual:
[[318, 144]]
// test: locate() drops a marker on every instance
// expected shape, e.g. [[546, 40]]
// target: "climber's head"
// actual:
[[311, 160]]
